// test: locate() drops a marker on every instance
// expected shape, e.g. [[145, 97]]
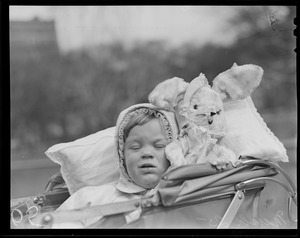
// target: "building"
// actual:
[[27, 37]]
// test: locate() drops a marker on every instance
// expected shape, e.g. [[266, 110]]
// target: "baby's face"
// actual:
[[145, 154]]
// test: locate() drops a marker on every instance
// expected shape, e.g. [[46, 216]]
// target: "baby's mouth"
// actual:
[[147, 165], [147, 168]]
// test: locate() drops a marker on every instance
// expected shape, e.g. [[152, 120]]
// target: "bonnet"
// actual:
[[125, 183]]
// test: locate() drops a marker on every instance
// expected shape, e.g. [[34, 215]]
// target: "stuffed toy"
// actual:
[[199, 111]]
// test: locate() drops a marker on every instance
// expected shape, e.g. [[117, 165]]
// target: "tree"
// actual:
[[265, 38]]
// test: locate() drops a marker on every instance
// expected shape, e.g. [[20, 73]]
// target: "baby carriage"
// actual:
[[192, 196]]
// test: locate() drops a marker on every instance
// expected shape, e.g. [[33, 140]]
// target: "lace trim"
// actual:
[[265, 127], [125, 121]]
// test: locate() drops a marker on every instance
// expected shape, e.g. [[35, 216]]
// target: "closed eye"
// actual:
[[159, 146], [159, 143], [135, 147]]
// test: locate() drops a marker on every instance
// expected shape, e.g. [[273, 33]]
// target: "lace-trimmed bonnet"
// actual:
[[125, 183]]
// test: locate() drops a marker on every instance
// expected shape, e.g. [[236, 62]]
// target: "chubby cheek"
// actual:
[[165, 162], [131, 159]]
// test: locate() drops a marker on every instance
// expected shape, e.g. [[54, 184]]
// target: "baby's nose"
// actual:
[[147, 154]]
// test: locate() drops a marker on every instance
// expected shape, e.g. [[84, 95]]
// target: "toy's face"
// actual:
[[205, 109]]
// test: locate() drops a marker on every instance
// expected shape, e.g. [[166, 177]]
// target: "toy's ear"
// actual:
[[167, 93], [195, 85], [238, 82]]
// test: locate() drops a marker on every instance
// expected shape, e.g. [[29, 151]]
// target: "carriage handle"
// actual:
[[271, 164], [292, 191]]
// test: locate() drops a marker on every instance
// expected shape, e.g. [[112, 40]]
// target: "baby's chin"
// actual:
[[148, 182]]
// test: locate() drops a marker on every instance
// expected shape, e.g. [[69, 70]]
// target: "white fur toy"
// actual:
[[199, 111]]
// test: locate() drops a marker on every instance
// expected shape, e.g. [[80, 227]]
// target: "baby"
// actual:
[[142, 133]]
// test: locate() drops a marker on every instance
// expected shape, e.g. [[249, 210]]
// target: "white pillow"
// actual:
[[249, 135], [87, 161]]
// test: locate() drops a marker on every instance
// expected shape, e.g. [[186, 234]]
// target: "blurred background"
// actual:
[[73, 69]]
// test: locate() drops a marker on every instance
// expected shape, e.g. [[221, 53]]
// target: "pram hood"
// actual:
[[125, 183], [189, 182]]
